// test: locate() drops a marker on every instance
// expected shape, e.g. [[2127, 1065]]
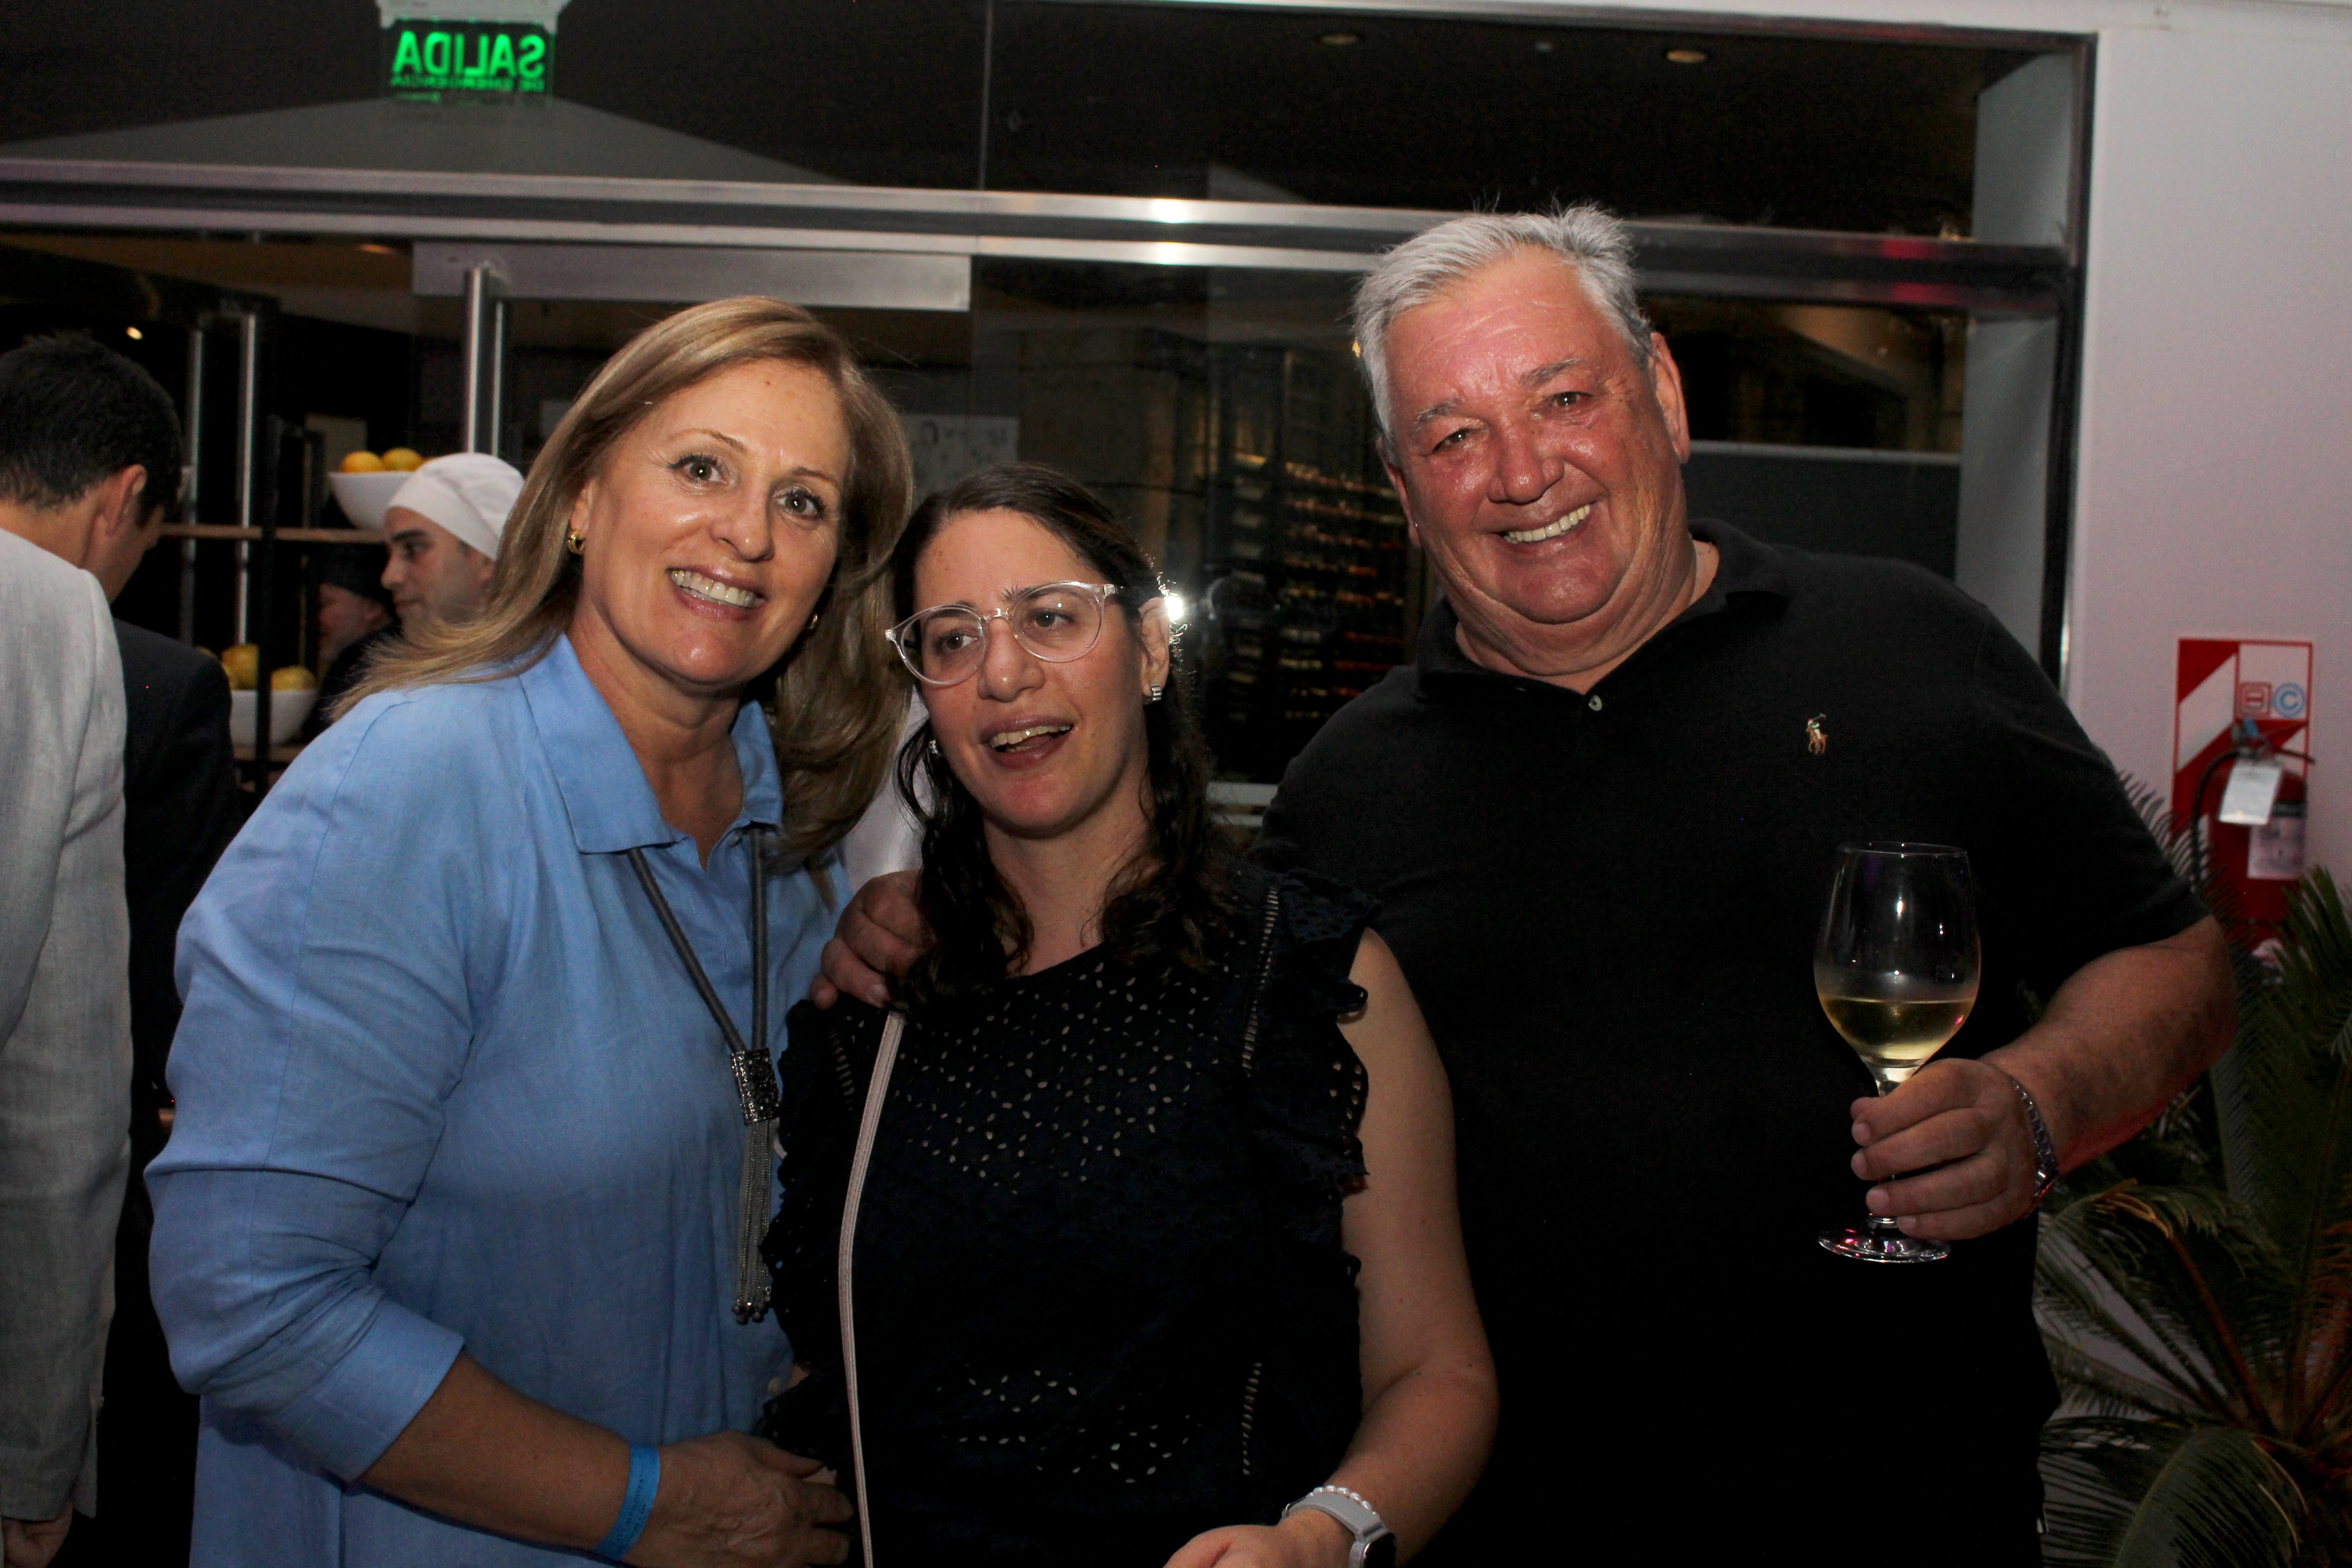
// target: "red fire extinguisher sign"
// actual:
[[2250, 697]]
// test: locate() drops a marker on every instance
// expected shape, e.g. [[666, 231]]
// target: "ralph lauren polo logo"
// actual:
[[1817, 740]]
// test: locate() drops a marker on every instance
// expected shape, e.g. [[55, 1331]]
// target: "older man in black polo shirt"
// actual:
[[1600, 811]]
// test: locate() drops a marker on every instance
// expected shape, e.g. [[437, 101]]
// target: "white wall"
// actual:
[[2215, 488]]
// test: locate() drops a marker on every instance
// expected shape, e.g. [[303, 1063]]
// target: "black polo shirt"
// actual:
[[1606, 906]]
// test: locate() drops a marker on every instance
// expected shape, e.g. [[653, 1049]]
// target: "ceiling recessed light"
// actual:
[[1340, 40], [132, 332], [1687, 57], [1543, 45]]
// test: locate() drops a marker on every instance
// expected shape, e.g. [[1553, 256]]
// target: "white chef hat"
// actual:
[[469, 493]]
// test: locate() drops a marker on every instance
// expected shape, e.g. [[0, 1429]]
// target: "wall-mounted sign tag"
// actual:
[[2250, 793], [2275, 851], [432, 62]]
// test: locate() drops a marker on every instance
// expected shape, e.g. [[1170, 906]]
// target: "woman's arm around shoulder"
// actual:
[[1429, 1383]]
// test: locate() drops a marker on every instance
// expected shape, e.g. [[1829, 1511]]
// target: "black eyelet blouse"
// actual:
[[1102, 1303]]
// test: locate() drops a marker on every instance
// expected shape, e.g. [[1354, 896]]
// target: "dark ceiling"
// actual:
[[1799, 131]]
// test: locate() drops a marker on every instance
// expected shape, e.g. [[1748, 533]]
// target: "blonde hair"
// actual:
[[837, 698]]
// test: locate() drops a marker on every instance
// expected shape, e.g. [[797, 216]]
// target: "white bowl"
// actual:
[[364, 497], [286, 712]]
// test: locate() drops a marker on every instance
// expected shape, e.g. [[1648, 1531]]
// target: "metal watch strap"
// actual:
[[1362, 1519], [2045, 1148]]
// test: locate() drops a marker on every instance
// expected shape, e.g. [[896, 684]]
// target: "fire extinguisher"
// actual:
[[2250, 829]]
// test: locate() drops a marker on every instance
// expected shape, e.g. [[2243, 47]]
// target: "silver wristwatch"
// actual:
[[1374, 1547]]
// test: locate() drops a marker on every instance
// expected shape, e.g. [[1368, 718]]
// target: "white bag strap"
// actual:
[[876, 1089]]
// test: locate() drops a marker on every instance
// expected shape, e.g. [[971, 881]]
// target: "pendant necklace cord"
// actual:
[[758, 844], [755, 1074], [752, 1284], [734, 1036]]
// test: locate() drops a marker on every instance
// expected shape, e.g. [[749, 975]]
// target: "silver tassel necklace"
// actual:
[[755, 1074]]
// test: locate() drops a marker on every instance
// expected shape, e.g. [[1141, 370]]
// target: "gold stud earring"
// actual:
[[1153, 695], [575, 541]]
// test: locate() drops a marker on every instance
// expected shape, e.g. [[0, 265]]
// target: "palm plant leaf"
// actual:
[[2248, 1293], [2305, 1020], [2179, 843], [2196, 1291], [2274, 1127], [2104, 1290], [2145, 1494], [2171, 1279], [2102, 1388], [2279, 1092]]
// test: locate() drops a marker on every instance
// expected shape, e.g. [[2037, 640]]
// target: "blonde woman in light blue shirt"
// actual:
[[450, 1231]]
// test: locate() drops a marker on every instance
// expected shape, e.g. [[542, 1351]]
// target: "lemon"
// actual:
[[292, 677], [363, 463], [243, 663], [404, 460]]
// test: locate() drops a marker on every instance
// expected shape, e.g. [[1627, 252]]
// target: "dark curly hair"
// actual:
[[1172, 902]]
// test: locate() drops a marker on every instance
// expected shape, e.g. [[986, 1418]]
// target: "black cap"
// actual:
[[356, 567]]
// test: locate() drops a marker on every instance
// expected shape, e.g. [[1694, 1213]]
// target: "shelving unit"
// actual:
[[286, 479], [1312, 588]]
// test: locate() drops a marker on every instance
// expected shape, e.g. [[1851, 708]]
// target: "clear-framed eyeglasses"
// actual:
[[1056, 622]]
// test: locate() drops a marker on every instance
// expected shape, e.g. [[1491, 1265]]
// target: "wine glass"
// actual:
[[1897, 972]]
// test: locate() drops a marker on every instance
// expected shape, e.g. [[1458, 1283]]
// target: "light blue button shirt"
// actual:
[[443, 1082]]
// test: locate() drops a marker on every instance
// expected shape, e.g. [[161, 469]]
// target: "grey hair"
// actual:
[[1588, 238]]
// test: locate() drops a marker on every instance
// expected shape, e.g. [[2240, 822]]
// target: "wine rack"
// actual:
[[1312, 593]]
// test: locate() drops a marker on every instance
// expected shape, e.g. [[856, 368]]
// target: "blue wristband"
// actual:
[[637, 1503]]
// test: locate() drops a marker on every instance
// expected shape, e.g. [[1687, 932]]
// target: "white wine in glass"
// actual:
[[1896, 1029], [1897, 972]]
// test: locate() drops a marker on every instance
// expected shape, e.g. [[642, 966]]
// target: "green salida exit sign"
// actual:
[[432, 61]]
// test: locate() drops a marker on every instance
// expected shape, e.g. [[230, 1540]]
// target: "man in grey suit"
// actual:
[[89, 467], [64, 1036]]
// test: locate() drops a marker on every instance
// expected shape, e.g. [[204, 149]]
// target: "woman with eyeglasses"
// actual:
[[1153, 1250]]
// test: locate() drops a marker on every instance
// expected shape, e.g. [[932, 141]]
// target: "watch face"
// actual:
[[1380, 1553]]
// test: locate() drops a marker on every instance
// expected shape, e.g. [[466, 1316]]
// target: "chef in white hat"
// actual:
[[443, 530]]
